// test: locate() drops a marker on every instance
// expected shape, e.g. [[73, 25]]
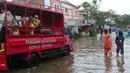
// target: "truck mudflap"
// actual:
[[71, 44], [3, 62]]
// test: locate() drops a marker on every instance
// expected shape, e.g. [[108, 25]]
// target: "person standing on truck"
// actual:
[[107, 44], [120, 44], [32, 22], [14, 29], [29, 23], [2, 38], [36, 21]]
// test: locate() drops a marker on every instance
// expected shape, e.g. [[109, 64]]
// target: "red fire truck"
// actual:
[[30, 31]]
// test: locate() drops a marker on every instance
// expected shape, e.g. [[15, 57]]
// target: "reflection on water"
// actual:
[[87, 57], [120, 63], [108, 63], [55, 65]]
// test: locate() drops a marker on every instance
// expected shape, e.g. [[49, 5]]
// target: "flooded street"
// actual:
[[88, 57]]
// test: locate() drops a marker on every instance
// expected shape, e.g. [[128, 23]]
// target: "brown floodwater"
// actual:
[[87, 57]]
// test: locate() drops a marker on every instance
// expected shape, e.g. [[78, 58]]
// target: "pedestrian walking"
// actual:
[[107, 43], [120, 44], [110, 31]]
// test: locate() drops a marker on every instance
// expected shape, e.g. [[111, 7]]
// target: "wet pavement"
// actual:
[[88, 57]]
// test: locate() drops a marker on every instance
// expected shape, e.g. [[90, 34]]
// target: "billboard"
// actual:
[[37, 3]]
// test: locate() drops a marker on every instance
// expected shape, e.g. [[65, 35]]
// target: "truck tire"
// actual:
[[34, 61]]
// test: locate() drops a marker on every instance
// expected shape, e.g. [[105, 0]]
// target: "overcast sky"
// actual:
[[119, 6]]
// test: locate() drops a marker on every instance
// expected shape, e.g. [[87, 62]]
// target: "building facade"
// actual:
[[71, 12], [81, 16]]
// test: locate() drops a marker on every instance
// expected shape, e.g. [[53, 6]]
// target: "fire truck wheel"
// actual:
[[34, 61]]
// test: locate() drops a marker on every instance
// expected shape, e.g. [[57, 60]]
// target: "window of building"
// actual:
[[76, 13], [57, 7], [66, 10], [70, 11], [47, 3]]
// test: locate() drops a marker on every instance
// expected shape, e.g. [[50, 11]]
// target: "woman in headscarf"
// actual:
[[120, 44]]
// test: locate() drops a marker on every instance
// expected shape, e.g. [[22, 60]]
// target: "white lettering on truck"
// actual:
[[2, 64], [38, 41], [32, 47]]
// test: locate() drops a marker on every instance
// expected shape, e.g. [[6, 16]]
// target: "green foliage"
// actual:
[[94, 16], [90, 10], [120, 25], [92, 32], [122, 20], [102, 16]]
